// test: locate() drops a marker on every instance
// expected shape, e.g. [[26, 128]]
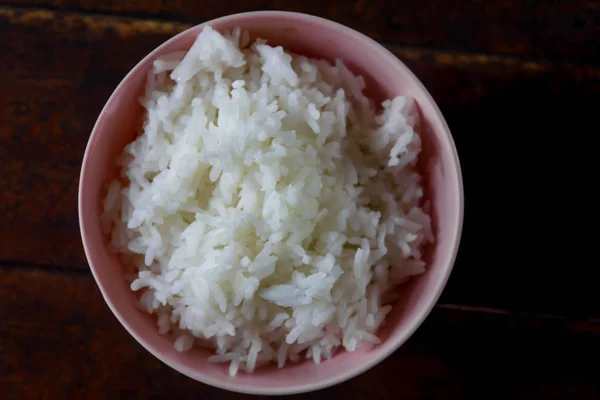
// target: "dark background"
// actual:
[[519, 84]]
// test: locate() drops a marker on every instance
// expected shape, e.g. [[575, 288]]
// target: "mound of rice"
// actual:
[[269, 210]]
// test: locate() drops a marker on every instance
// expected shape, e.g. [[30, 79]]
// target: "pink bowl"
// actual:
[[386, 77]]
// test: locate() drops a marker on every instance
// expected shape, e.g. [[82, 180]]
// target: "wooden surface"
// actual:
[[553, 29], [515, 80], [81, 351]]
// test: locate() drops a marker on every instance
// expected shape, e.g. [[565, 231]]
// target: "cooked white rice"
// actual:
[[267, 207]]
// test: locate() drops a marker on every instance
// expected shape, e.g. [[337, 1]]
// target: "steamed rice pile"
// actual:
[[269, 210]]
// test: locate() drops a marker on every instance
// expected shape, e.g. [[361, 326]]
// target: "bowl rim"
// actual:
[[351, 372]]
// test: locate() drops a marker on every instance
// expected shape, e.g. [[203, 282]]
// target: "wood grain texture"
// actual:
[[59, 340], [57, 70], [553, 29]]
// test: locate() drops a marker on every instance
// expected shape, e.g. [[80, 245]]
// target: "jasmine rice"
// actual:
[[269, 210]]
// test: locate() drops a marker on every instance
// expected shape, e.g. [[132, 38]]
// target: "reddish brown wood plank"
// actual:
[[563, 29], [59, 340], [50, 97]]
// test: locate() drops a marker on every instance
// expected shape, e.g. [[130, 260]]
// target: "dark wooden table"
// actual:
[[516, 80]]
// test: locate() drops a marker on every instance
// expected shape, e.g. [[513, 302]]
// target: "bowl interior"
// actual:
[[385, 78]]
